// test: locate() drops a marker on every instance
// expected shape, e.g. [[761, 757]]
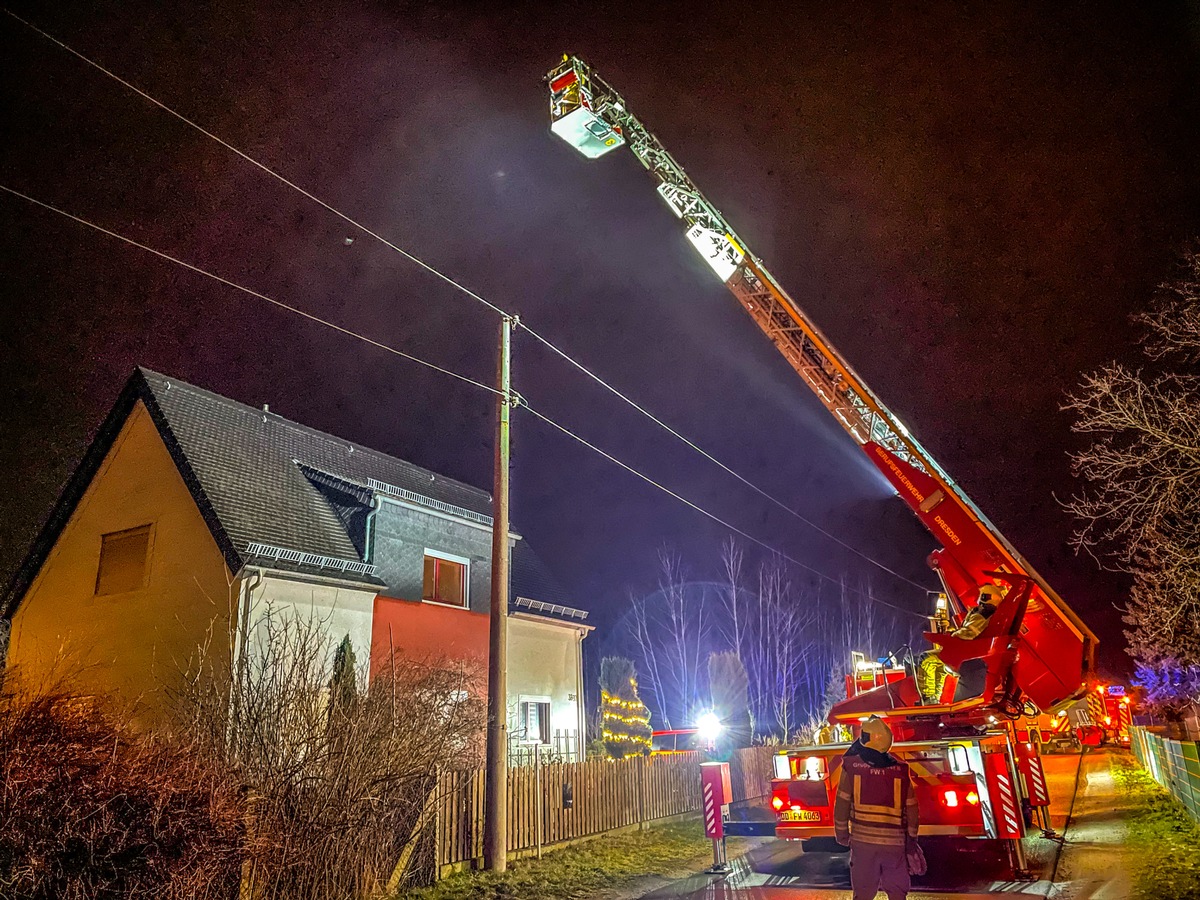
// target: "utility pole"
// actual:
[[495, 823]]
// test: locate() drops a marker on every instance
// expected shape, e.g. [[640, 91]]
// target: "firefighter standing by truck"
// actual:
[[876, 815]]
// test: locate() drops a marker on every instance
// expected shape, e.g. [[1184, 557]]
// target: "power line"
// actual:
[[181, 117], [408, 356], [253, 293], [779, 503], [684, 500], [472, 294]]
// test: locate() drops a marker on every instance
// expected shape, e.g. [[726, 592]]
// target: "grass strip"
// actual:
[[579, 871], [1163, 836]]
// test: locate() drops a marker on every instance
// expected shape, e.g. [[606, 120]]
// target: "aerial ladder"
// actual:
[[1035, 654]]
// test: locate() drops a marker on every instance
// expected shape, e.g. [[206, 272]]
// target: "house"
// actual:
[[194, 521]]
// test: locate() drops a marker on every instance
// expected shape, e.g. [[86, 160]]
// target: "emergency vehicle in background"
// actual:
[[975, 778], [1111, 709], [1103, 716]]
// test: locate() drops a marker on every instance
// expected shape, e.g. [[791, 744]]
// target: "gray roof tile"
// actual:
[[249, 463]]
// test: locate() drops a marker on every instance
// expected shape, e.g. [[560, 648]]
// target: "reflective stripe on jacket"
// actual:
[[874, 804]]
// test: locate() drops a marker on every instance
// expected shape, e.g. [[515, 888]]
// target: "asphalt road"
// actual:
[[1086, 866]]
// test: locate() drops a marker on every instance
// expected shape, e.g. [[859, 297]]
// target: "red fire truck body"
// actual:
[[965, 787], [1111, 709], [976, 775], [1103, 716]]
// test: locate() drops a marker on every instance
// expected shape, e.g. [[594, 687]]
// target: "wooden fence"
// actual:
[[605, 795]]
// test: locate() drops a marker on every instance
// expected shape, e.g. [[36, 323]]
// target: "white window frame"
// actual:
[[522, 699], [960, 762], [465, 562]]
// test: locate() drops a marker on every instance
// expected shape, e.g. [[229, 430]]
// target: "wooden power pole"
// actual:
[[495, 824]]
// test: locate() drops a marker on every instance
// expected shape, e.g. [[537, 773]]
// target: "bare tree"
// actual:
[[341, 791], [1140, 502], [736, 600], [793, 637], [647, 638], [687, 624], [783, 648]]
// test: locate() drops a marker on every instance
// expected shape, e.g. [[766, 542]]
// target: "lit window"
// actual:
[[445, 579], [123, 559], [535, 721]]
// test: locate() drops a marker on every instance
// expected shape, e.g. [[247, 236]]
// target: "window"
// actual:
[[959, 763], [535, 720], [445, 579], [123, 561]]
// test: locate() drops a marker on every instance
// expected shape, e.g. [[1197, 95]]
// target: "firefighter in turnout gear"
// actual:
[[931, 673], [876, 814]]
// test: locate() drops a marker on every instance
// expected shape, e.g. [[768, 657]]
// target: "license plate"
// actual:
[[800, 815]]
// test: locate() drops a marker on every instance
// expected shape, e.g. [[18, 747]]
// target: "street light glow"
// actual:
[[709, 727]]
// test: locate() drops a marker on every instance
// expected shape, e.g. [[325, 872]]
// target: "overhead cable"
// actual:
[[521, 404], [649, 415], [473, 295], [253, 293], [250, 159], [684, 500]]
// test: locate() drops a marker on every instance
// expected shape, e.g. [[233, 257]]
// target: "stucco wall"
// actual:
[[131, 643], [432, 633], [544, 661], [287, 610]]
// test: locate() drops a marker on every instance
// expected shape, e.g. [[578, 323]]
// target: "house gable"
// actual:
[[133, 641], [137, 391]]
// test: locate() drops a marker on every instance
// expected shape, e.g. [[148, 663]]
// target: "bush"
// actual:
[[281, 780], [342, 782], [90, 809]]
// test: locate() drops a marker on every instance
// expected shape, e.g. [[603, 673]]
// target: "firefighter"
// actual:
[[931, 672], [876, 814]]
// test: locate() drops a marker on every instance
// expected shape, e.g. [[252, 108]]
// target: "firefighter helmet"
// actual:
[[876, 734], [989, 593]]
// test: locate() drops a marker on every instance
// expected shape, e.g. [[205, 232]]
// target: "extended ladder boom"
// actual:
[[591, 116]]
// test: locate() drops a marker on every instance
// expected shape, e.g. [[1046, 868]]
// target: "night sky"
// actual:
[[969, 199]]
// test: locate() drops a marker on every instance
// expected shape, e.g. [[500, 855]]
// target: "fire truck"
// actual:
[[1111, 709], [976, 778], [1103, 716]]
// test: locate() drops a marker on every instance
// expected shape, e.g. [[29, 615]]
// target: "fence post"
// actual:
[[537, 795], [642, 792]]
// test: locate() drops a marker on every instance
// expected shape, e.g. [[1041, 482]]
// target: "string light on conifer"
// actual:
[[625, 722]]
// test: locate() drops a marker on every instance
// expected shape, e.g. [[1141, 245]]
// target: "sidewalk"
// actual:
[[1096, 859]]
